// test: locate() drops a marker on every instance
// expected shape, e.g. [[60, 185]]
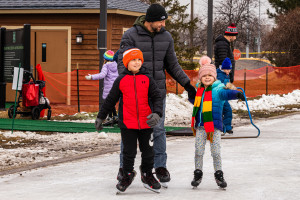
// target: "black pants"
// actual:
[[129, 139]]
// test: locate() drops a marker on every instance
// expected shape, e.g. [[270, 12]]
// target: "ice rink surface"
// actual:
[[267, 167]]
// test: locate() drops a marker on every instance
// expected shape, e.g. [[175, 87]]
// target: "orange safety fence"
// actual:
[[270, 80], [61, 88]]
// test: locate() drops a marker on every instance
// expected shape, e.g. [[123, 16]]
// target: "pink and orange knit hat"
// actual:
[[131, 54], [207, 67], [109, 55]]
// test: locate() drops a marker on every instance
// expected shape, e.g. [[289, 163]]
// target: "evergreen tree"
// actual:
[[179, 26], [284, 40], [282, 7]]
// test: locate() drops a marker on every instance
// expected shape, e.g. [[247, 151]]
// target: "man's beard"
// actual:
[[156, 30]]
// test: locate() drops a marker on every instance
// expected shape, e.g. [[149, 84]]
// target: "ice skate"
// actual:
[[198, 174], [125, 182], [108, 121], [150, 182], [220, 179], [163, 176], [120, 174], [111, 121]]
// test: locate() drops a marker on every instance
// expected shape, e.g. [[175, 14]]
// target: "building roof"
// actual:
[[126, 5]]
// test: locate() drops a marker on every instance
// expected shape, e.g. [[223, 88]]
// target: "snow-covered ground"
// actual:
[[60, 145], [179, 110], [264, 168]]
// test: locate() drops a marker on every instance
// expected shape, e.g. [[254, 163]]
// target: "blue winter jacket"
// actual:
[[222, 76], [219, 96]]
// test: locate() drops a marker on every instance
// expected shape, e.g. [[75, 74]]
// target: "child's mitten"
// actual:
[[88, 77], [240, 96]]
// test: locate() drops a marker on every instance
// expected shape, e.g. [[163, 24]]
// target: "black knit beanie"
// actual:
[[156, 13]]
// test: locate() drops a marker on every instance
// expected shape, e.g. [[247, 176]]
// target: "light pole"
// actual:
[[258, 40], [191, 30], [209, 29], [247, 40], [102, 35]]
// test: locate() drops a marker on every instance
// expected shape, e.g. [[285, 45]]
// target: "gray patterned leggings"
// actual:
[[215, 148]]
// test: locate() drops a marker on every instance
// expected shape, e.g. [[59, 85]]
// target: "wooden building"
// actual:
[[55, 24]]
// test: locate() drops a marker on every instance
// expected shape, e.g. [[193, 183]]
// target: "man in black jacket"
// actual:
[[149, 35], [223, 50]]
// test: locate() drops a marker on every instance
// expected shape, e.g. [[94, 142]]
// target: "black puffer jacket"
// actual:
[[222, 51], [158, 51]]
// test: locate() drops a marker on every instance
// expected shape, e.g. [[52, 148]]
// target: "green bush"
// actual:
[[186, 65]]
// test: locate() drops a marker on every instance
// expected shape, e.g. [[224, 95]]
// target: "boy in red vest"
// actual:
[[133, 89]]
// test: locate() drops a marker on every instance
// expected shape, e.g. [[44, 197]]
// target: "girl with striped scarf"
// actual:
[[207, 119]]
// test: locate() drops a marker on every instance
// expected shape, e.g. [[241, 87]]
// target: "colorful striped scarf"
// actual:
[[206, 110]]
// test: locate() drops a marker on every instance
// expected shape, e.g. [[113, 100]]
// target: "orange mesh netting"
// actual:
[[61, 88], [270, 80], [264, 80]]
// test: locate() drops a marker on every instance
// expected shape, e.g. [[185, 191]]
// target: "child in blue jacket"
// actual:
[[223, 76], [207, 119]]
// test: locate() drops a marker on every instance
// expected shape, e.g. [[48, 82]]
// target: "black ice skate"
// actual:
[[120, 174], [220, 179], [125, 182], [163, 176], [150, 182], [111, 121], [197, 178]]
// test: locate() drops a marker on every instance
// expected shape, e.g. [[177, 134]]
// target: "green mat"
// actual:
[[8, 104], [56, 126]]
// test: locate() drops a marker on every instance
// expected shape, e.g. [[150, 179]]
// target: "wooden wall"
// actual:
[[85, 54]]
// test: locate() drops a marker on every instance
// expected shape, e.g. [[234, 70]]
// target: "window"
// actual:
[[44, 46]]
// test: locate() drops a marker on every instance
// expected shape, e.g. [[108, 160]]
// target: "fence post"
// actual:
[[267, 69], [78, 102], [245, 80]]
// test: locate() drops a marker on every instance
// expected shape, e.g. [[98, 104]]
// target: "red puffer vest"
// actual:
[[135, 101]]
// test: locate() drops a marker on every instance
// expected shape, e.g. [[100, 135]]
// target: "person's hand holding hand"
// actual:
[[153, 119]]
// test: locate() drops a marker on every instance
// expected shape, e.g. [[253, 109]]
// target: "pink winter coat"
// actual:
[[109, 72]]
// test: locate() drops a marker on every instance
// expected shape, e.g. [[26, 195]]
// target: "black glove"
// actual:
[[98, 124], [153, 119], [191, 90], [240, 96]]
